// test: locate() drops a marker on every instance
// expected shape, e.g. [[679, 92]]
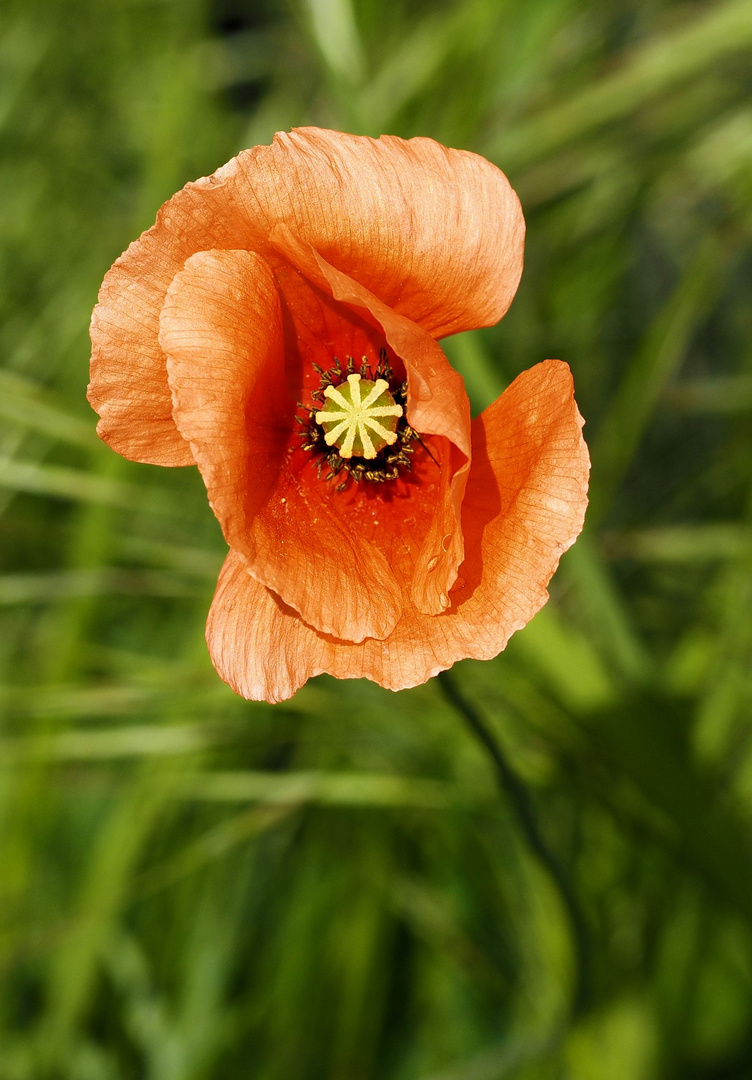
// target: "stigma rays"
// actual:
[[359, 425]]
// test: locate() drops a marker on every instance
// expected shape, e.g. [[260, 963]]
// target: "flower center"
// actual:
[[359, 417]]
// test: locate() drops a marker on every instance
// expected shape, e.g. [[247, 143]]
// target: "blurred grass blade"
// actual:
[[81, 486], [23, 402], [201, 562], [407, 70], [117, 846], [503, 1060], [330, 789], [121, 742], [732, 394], [566, 660], [662, 351], [80, 701], [484, 379], [44, 588], [214, 844], [336, 34], [63, 483], [22, 50], [610, 623], [710, 37], [681, 543]]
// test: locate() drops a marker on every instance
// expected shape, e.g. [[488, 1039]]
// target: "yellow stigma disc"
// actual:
[[359, 417]]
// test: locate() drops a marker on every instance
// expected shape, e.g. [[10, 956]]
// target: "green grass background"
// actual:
[[194, 887]]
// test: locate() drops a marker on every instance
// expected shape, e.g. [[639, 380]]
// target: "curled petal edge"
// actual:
[[525, 506]]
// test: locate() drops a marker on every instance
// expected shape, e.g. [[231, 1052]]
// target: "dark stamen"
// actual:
[[391, 460]]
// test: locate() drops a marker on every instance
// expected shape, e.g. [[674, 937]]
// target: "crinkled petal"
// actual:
[[222, 332], [436, 234], [128, 386], [437, 405], [524, 507]]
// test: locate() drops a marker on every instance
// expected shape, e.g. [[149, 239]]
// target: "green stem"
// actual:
[[519, 797]]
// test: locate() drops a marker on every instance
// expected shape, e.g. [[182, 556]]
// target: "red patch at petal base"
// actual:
[[525, 506], [437, 405], [221, 329]]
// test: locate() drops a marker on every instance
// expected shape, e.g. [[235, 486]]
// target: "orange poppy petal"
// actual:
[[436, 234], [524, 507], [221, 329], [128, 386], [437, 404]]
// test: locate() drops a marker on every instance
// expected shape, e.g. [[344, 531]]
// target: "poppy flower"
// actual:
[[278, 327]]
